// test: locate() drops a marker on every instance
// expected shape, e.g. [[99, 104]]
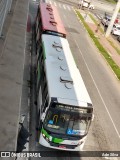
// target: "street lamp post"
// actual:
[[85, 17], [113, 19]]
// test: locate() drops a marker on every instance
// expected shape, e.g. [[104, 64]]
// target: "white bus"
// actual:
[[65, 108]]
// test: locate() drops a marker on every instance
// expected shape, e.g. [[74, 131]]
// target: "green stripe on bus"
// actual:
[[45, 133], [55, 140], [44, 55]]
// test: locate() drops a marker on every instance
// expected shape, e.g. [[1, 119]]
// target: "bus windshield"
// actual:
[[67, 122]]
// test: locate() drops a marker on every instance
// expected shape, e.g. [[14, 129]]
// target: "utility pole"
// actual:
[[113, 19], [87, 11]]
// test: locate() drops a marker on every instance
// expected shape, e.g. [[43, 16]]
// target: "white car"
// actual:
[[86, 4], [116, 29], [91, 6]]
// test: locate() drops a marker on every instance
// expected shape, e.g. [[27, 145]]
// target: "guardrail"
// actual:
[[5, 8]]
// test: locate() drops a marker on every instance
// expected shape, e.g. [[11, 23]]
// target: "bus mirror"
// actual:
[[43, 117]]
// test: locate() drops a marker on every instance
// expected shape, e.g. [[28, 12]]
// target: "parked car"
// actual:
[[91, 6], [86, 4], [116, 29], [106, 20], [118, 38]]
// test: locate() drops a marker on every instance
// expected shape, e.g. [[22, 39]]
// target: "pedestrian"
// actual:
[[98, 26]]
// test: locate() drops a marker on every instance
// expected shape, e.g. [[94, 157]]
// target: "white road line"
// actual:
[[59, 5], [99, 92], [55, 4], [64, 6], [50, 2], [68, 8]]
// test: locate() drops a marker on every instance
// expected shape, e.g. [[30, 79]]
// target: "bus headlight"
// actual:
[[43, 135], [47, 138], [50, 138]]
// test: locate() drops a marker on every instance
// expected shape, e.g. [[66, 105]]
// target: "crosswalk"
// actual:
[[60, 5], [57, 4]]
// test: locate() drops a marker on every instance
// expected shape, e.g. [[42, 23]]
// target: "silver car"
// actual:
[[106, 20]]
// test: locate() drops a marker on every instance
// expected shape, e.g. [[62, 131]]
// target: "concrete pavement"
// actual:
[[11, 76]]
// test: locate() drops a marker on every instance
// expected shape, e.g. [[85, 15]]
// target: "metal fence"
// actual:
[[5, 8]]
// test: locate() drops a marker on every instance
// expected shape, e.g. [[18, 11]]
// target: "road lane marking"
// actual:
[[59, 5], [68, 8], [64, 6], [50, 2], [55, 4], [99, 92]]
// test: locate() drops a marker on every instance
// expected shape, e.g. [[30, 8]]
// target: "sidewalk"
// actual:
[[12, 58], [102, 39]]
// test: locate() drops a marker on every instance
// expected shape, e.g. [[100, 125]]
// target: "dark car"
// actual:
[[118, 38]]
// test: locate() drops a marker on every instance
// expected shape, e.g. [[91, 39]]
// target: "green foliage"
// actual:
[[102, 50], [96, 22], [116, 48], [111, 1]]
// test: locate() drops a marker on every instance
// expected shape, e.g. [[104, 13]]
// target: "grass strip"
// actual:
[[111, 1], [102, 31], [96, 22], [116, 48], [102, 50]]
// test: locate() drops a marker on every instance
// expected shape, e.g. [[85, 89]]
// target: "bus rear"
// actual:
[[48, 21]]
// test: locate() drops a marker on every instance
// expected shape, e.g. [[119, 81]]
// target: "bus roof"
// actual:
[[51, 20], [63, 77]]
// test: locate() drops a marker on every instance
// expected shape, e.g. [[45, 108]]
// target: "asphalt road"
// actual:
[[102, 85], [103, 5]]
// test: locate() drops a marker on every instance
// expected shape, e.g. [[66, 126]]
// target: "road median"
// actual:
[[101, 48]]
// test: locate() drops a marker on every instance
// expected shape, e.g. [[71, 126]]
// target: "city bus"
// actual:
[[64, 105], [48, 21]]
